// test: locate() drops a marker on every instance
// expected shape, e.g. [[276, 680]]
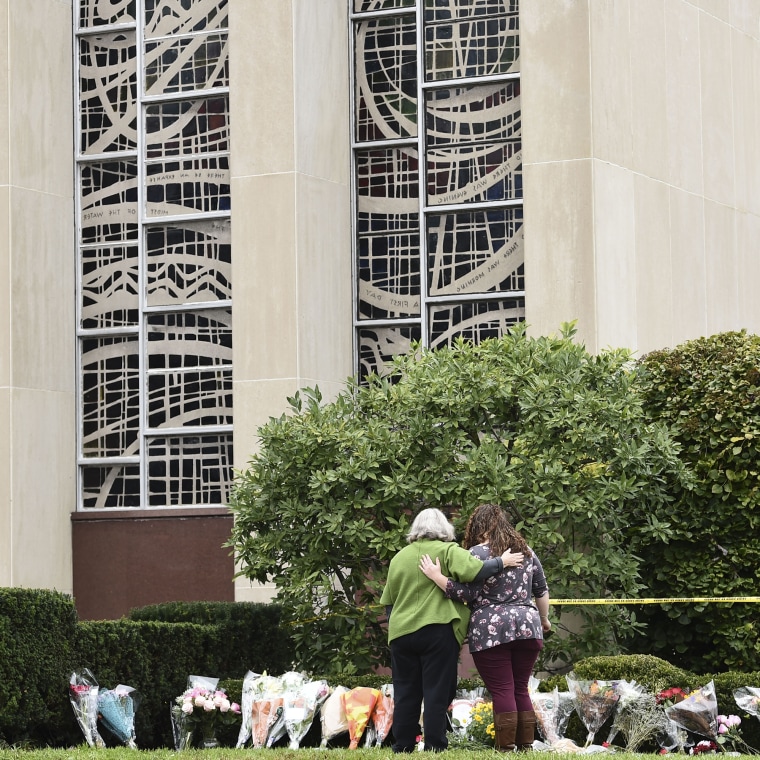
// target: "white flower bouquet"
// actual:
[[300, 707], [333, 716]]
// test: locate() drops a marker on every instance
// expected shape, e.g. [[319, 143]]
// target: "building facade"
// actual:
[[213, 203]]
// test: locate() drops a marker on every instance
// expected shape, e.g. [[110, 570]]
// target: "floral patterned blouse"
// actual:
[[502, 605]]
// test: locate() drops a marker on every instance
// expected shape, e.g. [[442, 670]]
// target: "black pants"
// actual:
[[424, 665]]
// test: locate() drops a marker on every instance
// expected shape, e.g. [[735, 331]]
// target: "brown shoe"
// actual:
[[526, 729], [505, 725]]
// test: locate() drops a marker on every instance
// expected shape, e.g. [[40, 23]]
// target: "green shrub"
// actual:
[[36, 633], [708, 393]]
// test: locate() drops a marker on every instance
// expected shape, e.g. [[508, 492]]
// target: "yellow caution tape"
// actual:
[[559, 602]]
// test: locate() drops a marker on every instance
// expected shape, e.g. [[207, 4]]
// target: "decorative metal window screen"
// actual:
[[154, 290], [437, 158]]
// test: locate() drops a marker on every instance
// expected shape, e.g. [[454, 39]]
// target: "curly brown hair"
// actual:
[[489, 522]]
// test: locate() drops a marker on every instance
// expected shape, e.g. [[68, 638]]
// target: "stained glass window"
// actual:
[[437, 157], [154, 289]]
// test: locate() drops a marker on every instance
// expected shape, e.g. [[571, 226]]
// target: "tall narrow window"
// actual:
[[437, 173], [154, 289]]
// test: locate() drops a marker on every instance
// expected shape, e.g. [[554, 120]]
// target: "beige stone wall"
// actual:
[[641, 139], [292, 317], [37, 320]]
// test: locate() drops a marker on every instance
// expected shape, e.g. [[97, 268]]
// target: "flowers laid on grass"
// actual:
[[480, 728], [730, 736], [594, 702], [359, 704], [200, 710], [83, 695], [381, 719], [301, 703], [333, 716], [703, 746], [748, 698], [116, 710], [553, 710], [697, 712], [637, 716]]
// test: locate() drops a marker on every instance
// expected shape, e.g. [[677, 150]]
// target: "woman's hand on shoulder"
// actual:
[[512, 560], [433, 571]]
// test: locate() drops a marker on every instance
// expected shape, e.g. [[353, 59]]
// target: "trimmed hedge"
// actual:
[[37, 630], [41, 643]]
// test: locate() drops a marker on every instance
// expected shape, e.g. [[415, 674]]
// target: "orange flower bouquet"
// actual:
[[359, 704], [382, 718]]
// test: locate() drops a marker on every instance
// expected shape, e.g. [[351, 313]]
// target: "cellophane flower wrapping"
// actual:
[[333, 716], [83, 695], [300, 708], [246, 701], [201, 708], [359, 704], [460, 709], [263, 710], [117, 708], [698, 712], [553, 710], [594, 702], [380, 722], [748, 698], [182, 723], [629, 693]]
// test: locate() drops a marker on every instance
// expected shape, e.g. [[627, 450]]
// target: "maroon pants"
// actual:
[[505, 670]]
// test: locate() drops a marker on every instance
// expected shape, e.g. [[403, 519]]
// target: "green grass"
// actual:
[[122, 753]]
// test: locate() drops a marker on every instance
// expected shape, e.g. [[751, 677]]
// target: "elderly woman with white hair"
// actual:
[[426, 630]]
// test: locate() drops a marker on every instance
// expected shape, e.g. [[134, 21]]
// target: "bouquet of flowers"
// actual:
[[263, 710], [594, 702], [697, 712], [204, 707], [358, 704], [480, 727], [748, 698], [299, 708], [382, 718], [729, 735], [83, 695], [333, 716], [637, 716], [553, 710], [116, 709], [461, 709]]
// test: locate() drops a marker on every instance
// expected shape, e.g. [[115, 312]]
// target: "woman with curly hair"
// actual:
[[507, 626]]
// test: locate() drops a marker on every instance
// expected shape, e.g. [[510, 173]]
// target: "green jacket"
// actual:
[[416, 600]]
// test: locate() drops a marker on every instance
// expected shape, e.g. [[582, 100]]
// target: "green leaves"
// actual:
[[708, 392], [556, 435]]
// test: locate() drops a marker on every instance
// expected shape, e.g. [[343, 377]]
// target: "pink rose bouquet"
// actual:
[[202, 708]]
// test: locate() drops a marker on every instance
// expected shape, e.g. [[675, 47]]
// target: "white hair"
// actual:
[[431, 524]]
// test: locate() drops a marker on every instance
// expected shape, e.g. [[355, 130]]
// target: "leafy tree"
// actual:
[[708, 392], [537, 423]]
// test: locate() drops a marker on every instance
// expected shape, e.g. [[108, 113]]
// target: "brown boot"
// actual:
[[505, 725], [526, 729]]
